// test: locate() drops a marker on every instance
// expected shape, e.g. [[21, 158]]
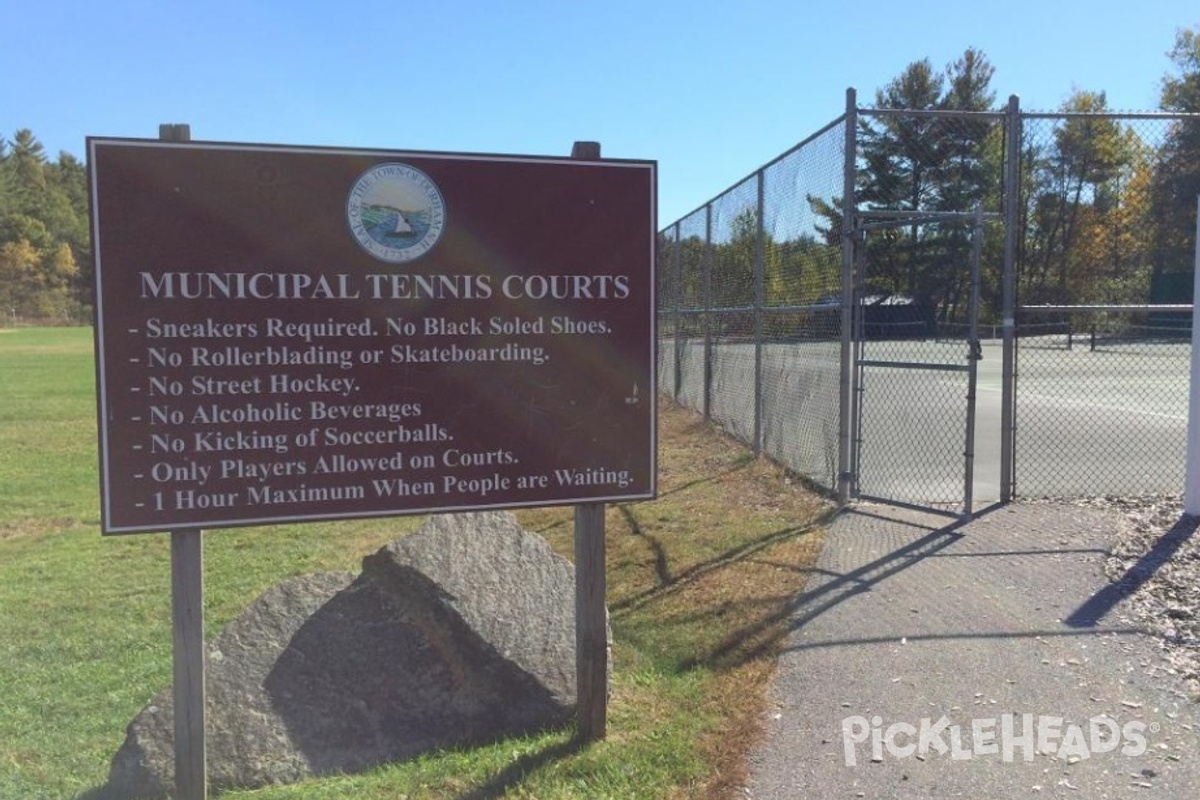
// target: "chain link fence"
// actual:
[[750, 308], [834, 345], [1108, 220], [1102, 400]]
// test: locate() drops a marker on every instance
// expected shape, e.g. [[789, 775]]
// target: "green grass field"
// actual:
[[699, 582]]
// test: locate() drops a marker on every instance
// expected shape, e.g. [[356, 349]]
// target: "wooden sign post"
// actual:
[[591, 618], [591, 639], [187, 612], [187, 631]]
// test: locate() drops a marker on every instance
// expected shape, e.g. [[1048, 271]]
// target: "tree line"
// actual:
[[1107, 205], [1107, 213], [45, 256]]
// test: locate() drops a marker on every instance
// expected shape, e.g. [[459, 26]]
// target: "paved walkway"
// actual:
[[953, 634]]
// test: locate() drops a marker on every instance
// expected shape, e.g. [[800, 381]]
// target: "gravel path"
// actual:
[[1021, 654]]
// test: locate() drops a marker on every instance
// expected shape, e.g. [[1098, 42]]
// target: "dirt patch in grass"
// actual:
[[34, 527]]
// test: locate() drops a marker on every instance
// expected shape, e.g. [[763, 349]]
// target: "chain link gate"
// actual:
[[914, 383]]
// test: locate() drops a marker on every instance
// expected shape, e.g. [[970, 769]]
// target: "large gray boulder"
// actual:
[[460, 634]]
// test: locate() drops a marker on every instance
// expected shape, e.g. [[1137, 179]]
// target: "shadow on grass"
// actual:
[[512, 775], [496, 786], [99, 793], [758, 613], [669, 584]]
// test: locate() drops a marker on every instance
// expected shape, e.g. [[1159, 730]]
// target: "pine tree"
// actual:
[[927, 163]]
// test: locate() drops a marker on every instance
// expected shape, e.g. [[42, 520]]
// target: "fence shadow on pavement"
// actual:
[[1162, 551], [837, 586], [834, 588]]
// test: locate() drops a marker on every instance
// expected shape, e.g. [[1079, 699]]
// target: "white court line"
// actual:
[[1086, 404]]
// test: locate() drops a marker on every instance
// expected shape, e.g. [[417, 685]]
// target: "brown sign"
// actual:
[[289, 334]]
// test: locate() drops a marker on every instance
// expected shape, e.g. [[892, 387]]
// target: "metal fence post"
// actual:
[[677, 265], [846, 399], [759, 297], [974, 354], [707, 284], [1012, 220], [1191, 486]]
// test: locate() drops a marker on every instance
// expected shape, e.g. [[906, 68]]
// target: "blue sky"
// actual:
[[711, 90]]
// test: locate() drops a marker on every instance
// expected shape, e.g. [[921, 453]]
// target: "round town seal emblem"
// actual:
[[396, 213]]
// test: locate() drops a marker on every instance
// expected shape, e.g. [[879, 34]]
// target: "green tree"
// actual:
[[20, 278], [969, 149], [693, 266], [66, 215], [43, 230], [6, 190], [1089, 154], [1119, 247], [896, 150], [1181, 91], [926, 162], [735, 278], [968, 168], [1177, 181], [734, 262], [26, 164]]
